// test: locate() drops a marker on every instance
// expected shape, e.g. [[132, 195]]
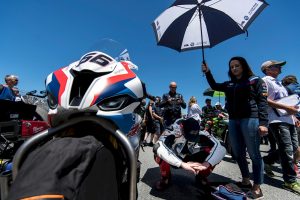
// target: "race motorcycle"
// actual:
[[101, 95]]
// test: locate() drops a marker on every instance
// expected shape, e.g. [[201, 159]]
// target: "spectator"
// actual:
[[208, 115], [219, 111], [293, 87], [248, 119], [6, 91], [169, 150], [172, 102], [141, 110], [17, 94], [283, 127], [208, 109], [158, 119], [150, 127], [194, 109], [290, 82]]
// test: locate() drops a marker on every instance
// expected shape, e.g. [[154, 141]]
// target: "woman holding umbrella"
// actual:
[[246, 96]]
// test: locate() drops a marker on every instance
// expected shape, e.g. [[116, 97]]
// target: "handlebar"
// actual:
[[33, 93]]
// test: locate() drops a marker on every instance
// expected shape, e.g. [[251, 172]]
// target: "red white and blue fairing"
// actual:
[[99, 83]]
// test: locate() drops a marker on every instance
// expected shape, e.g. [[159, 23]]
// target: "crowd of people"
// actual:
[[252, 105]]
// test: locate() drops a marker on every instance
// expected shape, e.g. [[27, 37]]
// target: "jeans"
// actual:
[[159, 127], [243, 133], [287, 140]]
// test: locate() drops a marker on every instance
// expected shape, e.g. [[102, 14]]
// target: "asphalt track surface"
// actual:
[[183, 183]]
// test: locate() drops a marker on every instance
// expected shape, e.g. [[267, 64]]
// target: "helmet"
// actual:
[[97, 85], [191, 128]]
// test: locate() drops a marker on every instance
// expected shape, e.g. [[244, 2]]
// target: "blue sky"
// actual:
[[40, 36]]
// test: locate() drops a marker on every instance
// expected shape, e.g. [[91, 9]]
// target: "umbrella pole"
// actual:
[[203, 60]]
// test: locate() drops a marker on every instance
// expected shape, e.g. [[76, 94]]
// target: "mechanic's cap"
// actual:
[[270, 63]]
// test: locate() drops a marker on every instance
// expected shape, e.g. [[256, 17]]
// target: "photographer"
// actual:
[[172, 102]]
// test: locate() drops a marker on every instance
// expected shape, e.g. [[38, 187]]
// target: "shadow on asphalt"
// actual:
[[227, 159], [267, 180], [182, 185]]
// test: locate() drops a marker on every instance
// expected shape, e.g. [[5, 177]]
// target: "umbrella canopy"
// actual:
[[213, 93], [192, 24]]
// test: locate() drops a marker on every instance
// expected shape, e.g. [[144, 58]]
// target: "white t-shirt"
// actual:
[[194, 111], [276, 91]]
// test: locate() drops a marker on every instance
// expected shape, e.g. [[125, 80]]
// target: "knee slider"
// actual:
[[155, 147]]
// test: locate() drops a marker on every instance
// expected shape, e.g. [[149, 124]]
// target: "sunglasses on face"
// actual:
[[275, 67], [173, 87]]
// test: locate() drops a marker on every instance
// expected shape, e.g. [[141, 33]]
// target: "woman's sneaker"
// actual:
[[253, 195], [293, 187]]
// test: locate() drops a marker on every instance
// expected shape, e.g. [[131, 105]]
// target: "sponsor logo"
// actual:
[[14, 116], [119, 71], [246, 18], [253, 9], [192, 44], [185, 45], [37, 129]]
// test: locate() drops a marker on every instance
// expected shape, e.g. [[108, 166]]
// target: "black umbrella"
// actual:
[[193, 24]]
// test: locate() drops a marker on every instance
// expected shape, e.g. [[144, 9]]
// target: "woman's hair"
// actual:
[[150, 103], [192, 101], [247, 72]]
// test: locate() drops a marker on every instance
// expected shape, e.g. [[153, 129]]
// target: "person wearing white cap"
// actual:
[[282, 127]]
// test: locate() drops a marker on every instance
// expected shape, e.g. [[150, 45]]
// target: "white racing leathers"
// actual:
[[174, 148]]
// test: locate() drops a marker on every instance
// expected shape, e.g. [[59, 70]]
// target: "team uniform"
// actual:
[[181, 143]]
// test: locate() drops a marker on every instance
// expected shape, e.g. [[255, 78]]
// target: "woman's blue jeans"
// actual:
[[243, 133]]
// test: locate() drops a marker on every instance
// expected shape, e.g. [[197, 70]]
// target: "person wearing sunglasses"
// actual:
[[171, 103], [282, 127], [6, 90]]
